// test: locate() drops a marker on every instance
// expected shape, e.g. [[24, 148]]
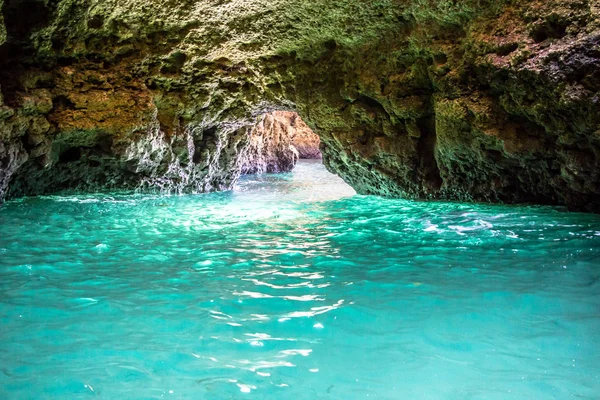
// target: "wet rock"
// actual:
[[304, 139], [469, 100], [277, 141], [270, 148], [12, 156], [2, 27]]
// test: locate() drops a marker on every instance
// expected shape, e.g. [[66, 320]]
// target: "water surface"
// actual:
[[293, 287]]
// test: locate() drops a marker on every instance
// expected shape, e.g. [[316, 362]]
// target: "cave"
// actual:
[[407, 102], [277, 141], [299, 199]]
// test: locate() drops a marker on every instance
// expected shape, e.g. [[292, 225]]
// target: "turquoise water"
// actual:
[[290, 287]]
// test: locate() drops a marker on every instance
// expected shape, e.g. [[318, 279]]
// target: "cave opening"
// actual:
[[277, 141], [283, 161]]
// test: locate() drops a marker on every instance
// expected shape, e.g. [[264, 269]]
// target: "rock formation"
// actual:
[[304, 140], [277, 141], [2, 27], [489, 100], [270, 149]]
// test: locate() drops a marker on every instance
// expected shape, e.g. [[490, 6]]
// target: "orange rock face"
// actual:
[[270, 148], [303, 138], [277, 141]]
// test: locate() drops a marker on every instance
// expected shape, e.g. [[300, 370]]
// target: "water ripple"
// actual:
[[287, 289]]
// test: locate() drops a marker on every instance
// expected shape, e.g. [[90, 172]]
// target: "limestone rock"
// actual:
[[2, 27], [303, 138], [470, 100], [277, 141], [12, 156], [270, 148]]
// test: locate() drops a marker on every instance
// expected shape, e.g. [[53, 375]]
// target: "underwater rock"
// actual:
[[470, 100]]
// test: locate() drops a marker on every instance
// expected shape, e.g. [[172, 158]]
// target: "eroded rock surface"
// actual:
[[2, 27], [270, 148], [304, 140], [277, 141], [470, 100]]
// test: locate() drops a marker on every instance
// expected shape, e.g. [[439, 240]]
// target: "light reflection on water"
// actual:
[[292, 288]]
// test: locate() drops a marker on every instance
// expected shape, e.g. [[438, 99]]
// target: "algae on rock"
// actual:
[[482, 100], [2, 27]]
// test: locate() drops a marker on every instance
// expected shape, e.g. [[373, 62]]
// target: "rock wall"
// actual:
[[270, 148], [277, 141], [304, 140], [471, 100], [2, 27]]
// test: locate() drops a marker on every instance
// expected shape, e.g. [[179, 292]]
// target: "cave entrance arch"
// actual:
[[280, 142], [277, 141]]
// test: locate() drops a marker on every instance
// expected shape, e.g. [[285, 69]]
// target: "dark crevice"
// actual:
[[104, 145], [369, 101], [201, 143], [197, 155], [330, 45], [22, 17], [174, 63], [70, 155], [440, 58], [330, 49], [427, 164], [507, 49], [96, 22], [62, 102], [553, 28], [365, 139], [27, 143]]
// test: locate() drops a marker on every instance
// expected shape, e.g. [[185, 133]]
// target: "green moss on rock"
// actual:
[[471, 99], [2, 27]]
